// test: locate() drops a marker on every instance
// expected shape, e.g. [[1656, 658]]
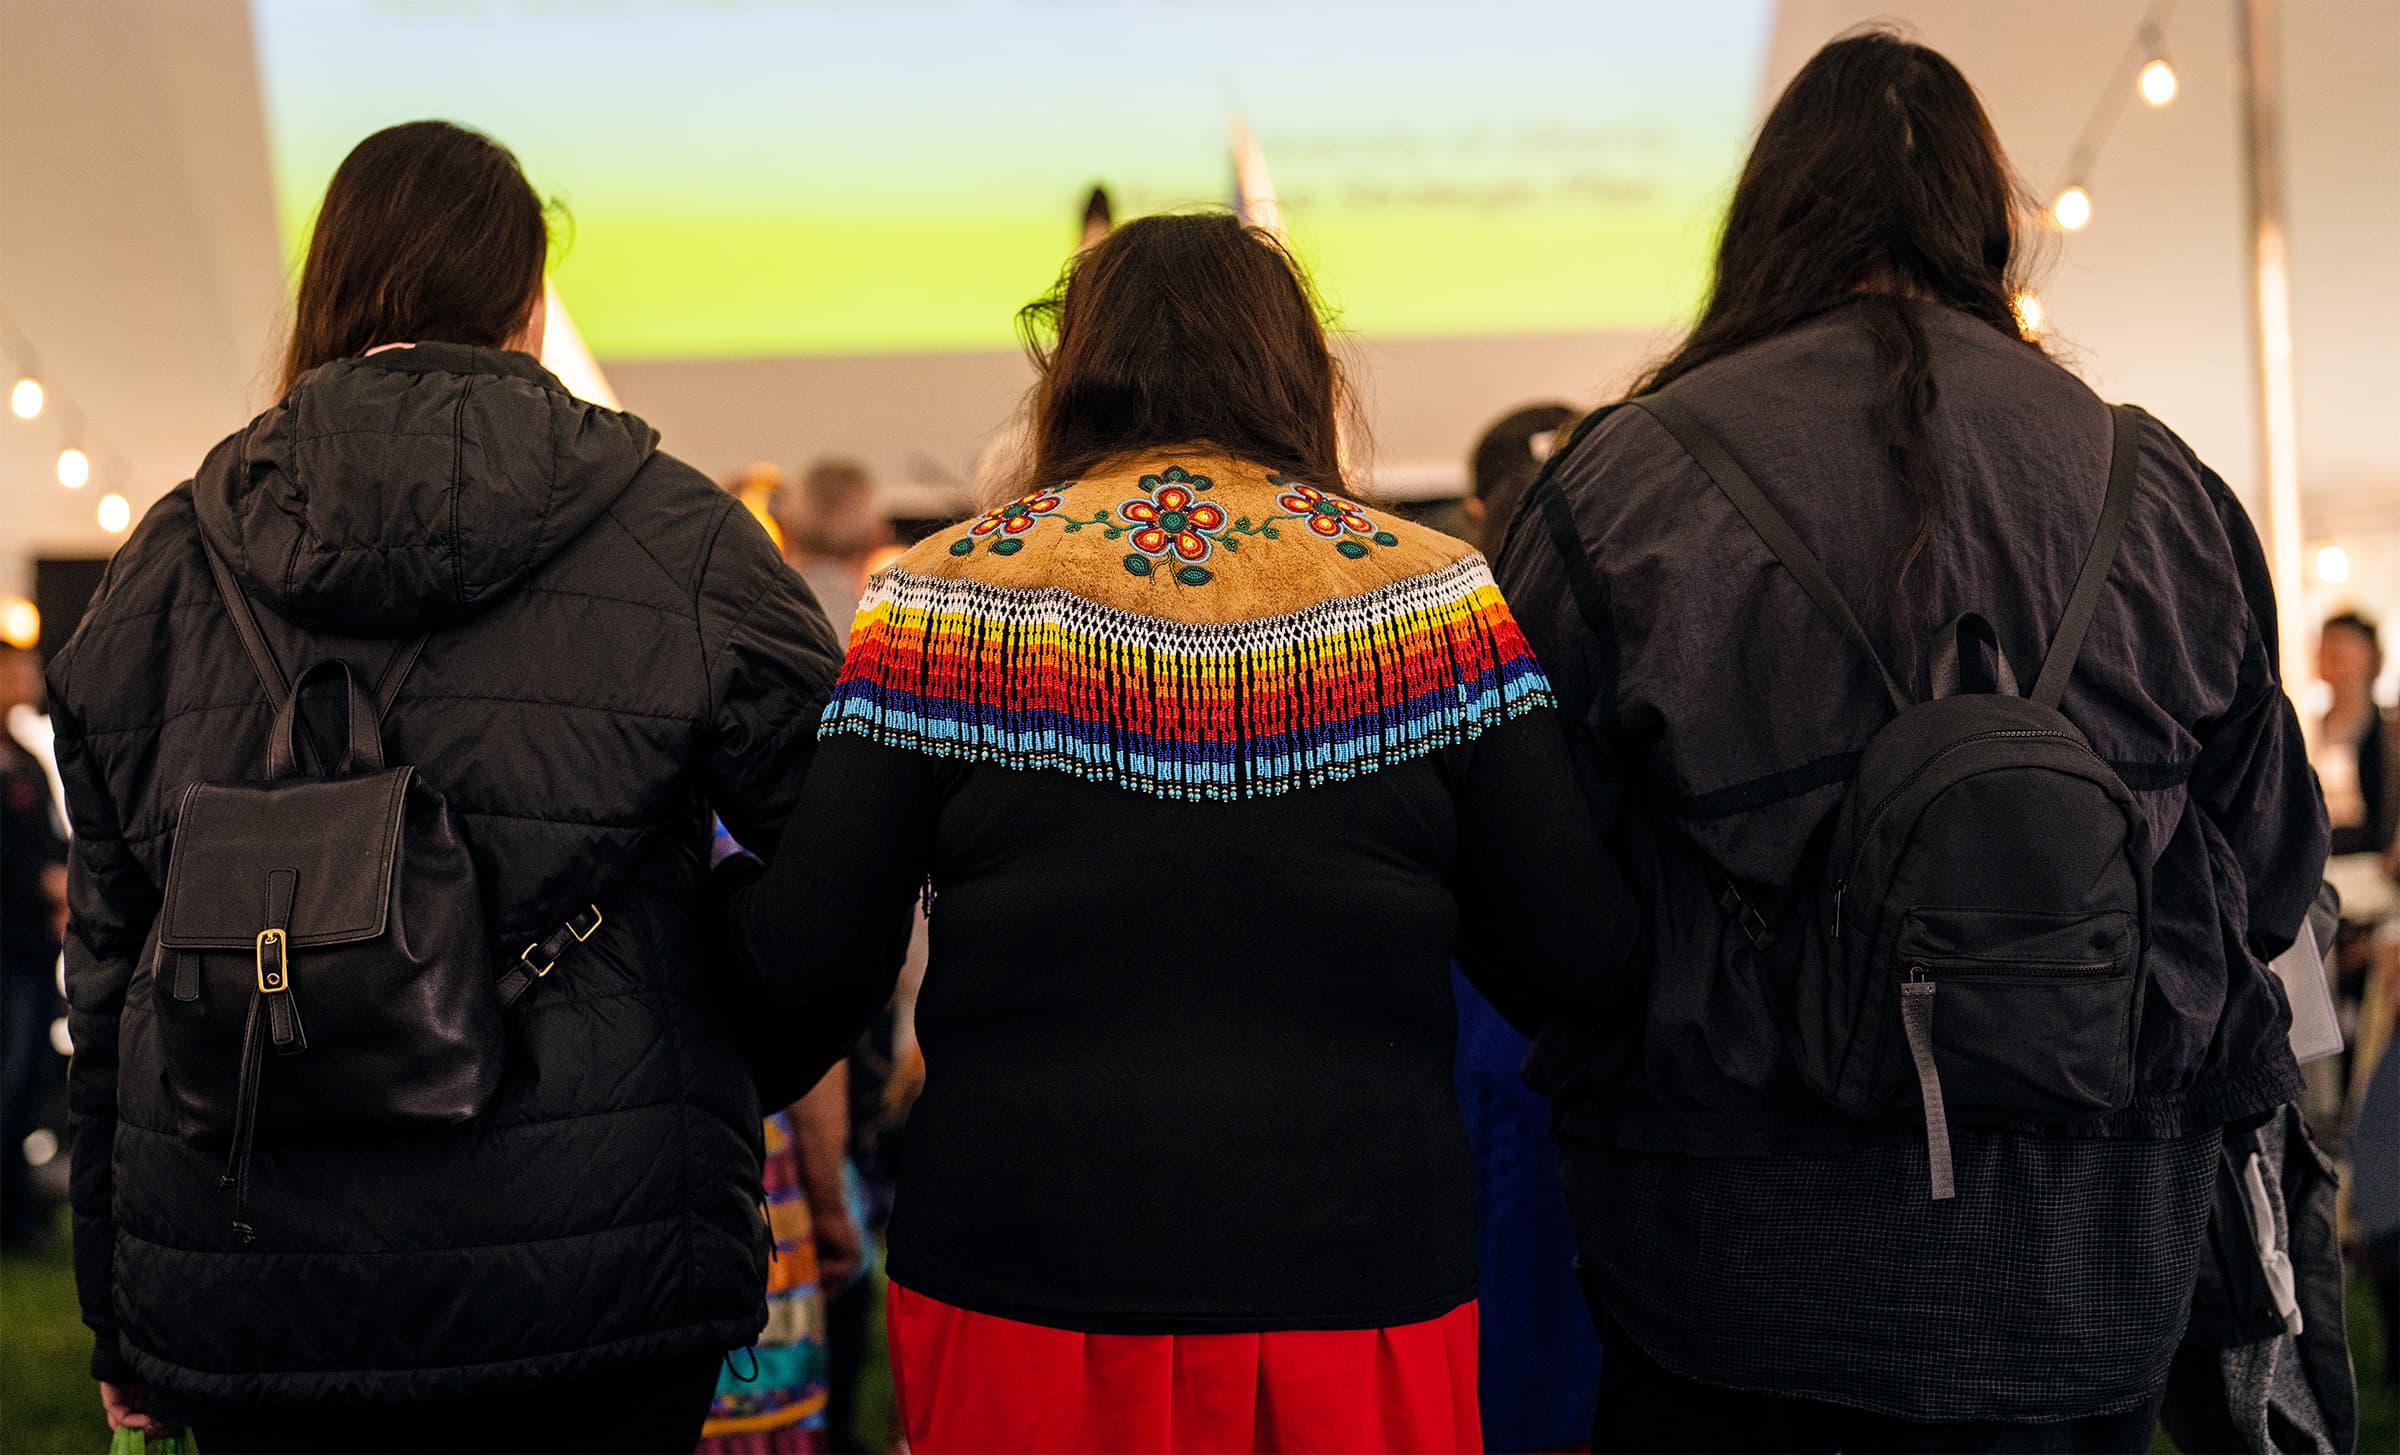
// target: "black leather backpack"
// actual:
[[1932, 978], [322, 962]]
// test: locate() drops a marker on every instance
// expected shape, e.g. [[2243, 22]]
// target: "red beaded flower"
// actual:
[[1018, 516], [1327, 515], [1173, 519]]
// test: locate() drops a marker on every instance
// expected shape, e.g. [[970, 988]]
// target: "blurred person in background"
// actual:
[[832, 526], [609, 649], [2358, 747], [33, 881], [831, 530], [1540, 1357], [757, 487], [1774, 1272], [1187, 1171], [1505, 462]]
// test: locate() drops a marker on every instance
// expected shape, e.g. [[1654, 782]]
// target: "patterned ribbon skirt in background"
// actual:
[[781, 1410]]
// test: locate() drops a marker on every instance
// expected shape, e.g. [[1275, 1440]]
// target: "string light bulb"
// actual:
[[25, 400], [20, 623], [74, 468], [2073, 208], [2032, 319], [116, 513], [2158, 82], [2333, 565]]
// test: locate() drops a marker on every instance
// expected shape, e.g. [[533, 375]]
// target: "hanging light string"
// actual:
[[2143, 71], [30, 396]]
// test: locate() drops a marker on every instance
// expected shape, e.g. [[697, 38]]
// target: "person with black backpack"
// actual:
[[1934, 707], [409, 1106]]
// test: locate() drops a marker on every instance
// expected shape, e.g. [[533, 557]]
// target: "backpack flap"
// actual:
[[338, 840]]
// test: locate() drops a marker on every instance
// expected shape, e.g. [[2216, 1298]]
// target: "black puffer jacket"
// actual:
[[615, 649]]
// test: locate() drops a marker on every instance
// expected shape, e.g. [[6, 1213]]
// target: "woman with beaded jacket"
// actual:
[[1207, 770]]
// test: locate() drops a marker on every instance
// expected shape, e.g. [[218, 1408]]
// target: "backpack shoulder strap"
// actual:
[[2125, 458], [1710, 454], [271, 675], [245, 622]]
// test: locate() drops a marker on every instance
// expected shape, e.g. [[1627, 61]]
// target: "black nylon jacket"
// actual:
[[615, 648], [1726, 712]]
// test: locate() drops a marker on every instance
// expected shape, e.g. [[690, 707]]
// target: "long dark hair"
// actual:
[[1183, 329], [429, 233], [1876, 178]]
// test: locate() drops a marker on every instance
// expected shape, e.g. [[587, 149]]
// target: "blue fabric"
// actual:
[[1540, 1357]]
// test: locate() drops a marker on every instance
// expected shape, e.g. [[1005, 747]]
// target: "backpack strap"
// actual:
[[1720, 466], [542, 956], [271, 675], [2125, 458], [245, 622], [363, 753]]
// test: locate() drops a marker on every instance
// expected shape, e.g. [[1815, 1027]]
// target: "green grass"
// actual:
[[2378, 1402], [48, 1403], [878, 1418]]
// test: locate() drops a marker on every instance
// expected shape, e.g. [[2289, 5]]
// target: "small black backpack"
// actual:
[[323, 965], [1930, 978]]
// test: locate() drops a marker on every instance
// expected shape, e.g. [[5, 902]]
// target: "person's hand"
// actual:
[[128, 1407], [841, 1249], [54, 898]]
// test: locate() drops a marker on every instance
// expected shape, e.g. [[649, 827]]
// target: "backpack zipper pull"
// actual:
[[1916, 1022]]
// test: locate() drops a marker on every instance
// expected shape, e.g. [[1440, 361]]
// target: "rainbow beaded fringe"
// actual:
[[1039, 677]]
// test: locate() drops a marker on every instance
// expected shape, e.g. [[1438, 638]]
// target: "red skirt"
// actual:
[[975, 1382]]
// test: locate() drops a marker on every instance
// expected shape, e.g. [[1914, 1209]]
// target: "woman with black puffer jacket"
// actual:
[[611, 649]]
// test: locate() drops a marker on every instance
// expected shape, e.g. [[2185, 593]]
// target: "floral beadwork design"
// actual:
[[1008, 521], [1172, 518], [1327, 515], [1172, 528], [1331, 516]]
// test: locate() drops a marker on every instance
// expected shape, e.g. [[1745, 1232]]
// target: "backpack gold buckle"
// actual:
[[275, 977]]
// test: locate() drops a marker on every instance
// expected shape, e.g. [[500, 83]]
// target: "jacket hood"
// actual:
[[413, 488]]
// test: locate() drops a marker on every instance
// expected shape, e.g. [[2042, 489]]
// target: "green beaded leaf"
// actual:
[[1007, 547], [1386, 538], [1195, 576], [1352, 549], [1138, 564], [963, 546]]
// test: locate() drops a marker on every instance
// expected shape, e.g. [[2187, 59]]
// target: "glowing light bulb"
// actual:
[[20, 622], [2158, 82], [2032, 318], [2073, 208], [2333, 565], [74, 468], [25, 401], [116, 513]]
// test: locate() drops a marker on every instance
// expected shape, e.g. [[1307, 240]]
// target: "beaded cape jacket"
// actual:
[[1187, 625]]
